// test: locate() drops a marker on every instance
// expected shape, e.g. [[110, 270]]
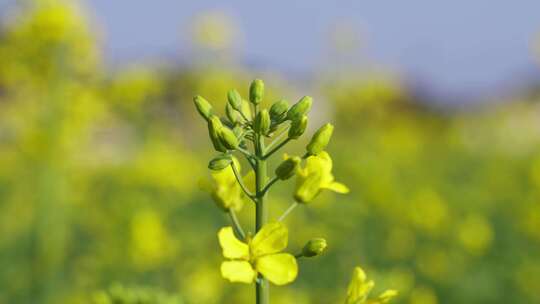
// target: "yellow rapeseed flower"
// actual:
[[316, 176], [262, 254], [359, 289]]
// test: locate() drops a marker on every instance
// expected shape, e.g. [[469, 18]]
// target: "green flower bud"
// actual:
[[214, 129], [278, 110], [235, 100], [228, 138], [298, 126], [246, 110], [314, 247], [300, 108], [288, 167], [262, 122], [256, 91], [220, 162], [320, 139], [232, 115], [203, 107]]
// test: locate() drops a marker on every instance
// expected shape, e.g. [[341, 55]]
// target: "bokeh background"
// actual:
[[437, 115]]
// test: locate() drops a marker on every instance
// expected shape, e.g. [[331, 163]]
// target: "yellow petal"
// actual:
[[231, 246], [224, 177], [337, 187], [272, 238], [307, 188], [228, 197], [279, 269], [358, 289], [238, 271], [386, 296]]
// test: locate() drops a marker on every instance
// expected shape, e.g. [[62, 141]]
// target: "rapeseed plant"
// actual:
[[244, 131]]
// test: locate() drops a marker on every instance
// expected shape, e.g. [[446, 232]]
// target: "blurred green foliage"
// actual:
[[99, 175]]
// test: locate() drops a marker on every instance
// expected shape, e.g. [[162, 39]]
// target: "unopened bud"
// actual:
[[235, 100], [228, 138], [262, 122], [288, 167], [300, 108], [298, 126], [278, 110], [246, 110], [220, 162], [320, 139], [203, 107], [232, 115], [314, 247], [256, 91], [214, 129]]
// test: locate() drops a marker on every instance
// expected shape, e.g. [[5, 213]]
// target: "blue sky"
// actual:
[[453, 47]]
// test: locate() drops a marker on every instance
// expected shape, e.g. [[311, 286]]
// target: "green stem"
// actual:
[[278, 137], [262, 293], [270, 183], [236, 224], [241, 182], [283, 143], [291, 208]]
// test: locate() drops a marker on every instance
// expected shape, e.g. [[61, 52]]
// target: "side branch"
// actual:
[[236, 224], [270, 183], [241, 182], [276, 148]]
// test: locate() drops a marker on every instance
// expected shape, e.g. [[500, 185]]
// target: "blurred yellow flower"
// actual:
[[260, 255], [423, 295], [359, 289], [475, 234], [316, 176], [150, 240]]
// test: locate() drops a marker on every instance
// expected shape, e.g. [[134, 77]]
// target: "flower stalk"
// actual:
[[261, 259]]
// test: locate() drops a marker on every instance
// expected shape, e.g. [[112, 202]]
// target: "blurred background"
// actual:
[[437, 115]]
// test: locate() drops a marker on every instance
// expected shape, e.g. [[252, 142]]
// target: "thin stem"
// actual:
[[278, 137], [243, 116], [262, 292], [236, 224], [299, 255], [248, 155], [241, 181], [283, 143], [270, 183], [289, 210]]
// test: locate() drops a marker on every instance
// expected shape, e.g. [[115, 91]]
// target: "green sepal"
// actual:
[[231, 114], [256, 91], [262, 122], [228, 138], [314, 247], [220, 162], [214, 129], [320, 139], [288, 167], [300, 108], [278, 111], [298, 127], [235, 100], [203, 107]]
